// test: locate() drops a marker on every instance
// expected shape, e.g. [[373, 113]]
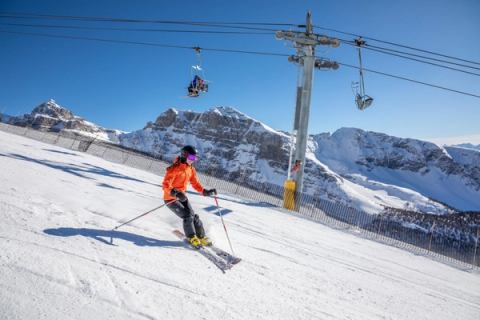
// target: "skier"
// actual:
[[192, 91], [175, 182], [295, 169]]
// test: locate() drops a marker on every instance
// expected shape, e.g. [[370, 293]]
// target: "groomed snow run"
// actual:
[[58, 207]]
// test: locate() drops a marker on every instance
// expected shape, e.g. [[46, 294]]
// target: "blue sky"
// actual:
[[123, 86]]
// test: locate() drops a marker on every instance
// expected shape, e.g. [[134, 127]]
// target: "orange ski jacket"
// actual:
[[178, 176]]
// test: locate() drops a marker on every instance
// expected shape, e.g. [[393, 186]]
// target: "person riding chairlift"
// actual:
[[196, 85]]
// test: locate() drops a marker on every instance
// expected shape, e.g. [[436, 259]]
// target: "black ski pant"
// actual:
[[191, 222]]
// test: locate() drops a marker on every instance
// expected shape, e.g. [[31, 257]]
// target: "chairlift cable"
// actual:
[[398, 45], [223, 24], [135, 30], [63, 17], [262, 53], [369, 47], [145, 43], [121, 20], [421, 56], [372, 47], [411, 80], [414, 59], [426, 62], [218, 25]]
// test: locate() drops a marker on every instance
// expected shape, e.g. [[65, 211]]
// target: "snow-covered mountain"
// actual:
[[365, 170], [50, 116], [469, 146], [397, 166]]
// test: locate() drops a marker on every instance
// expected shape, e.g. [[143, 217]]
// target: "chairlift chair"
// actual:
[[198, 83], [362, 100]]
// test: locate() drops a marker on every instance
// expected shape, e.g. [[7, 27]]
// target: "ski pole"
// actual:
[[144, 214], [223, 222]]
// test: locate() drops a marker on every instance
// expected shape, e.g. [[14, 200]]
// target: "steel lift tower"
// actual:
[[304, 43]]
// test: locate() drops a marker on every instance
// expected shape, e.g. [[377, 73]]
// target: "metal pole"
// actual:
[[474, 262], [302, 135], [304, 114], [223, 222], [289, 170], [74, 140], [431, 236], [362, 85], [296, 117], [143, 214], [305, 43]]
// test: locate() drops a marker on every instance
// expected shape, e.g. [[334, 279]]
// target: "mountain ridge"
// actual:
[[364, 169]]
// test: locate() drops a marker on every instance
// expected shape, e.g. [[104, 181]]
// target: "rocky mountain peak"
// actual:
[[52, 109], [50, 116], [232, 123], [229, 112]]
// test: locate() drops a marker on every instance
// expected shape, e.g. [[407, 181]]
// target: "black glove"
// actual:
[[179, 195], [209, 192]]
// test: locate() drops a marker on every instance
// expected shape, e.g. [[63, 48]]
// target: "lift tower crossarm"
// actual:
[[306, 39]]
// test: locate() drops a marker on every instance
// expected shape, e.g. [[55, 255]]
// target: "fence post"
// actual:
[[74, 140], [474, 262], [431, 236], [104, 151], [150, 166], [126, 158], [379, 230], [317, 209], [209, 174], [358, 216], [238, 186]]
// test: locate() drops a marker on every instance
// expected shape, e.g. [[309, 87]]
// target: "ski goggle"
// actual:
[[192, 157]]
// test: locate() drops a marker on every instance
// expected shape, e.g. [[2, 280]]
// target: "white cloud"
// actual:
[[473, 139]]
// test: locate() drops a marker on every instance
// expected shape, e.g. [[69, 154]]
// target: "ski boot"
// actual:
[[195, 242], [205, 241]]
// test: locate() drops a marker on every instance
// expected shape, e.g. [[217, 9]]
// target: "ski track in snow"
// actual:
[[58, 210], [356, 267]]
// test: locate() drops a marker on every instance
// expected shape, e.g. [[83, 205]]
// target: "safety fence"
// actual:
[[451, 239]]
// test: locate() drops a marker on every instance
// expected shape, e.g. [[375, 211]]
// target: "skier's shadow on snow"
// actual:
[[105, 236], [61, 152], [77, 170]]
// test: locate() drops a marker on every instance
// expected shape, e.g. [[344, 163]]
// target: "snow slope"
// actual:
[[58, 207]]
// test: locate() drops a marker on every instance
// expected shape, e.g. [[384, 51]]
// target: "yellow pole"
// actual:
[[289, 194]]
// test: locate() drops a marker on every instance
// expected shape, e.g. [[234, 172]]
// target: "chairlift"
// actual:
[[198, 83], [362, 100]]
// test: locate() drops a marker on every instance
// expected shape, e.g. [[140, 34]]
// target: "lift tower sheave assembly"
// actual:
[[304, 43]]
